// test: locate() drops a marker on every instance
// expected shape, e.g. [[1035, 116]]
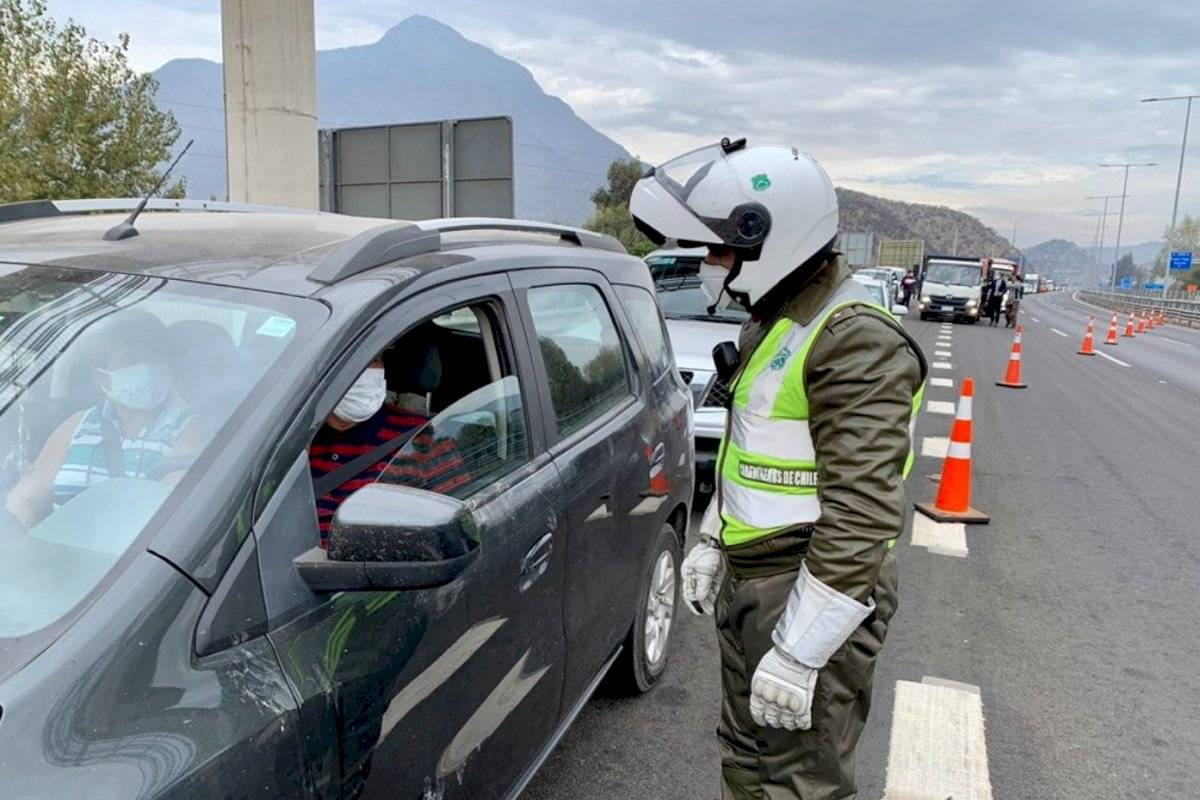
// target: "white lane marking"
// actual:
[[1176, 341], [1110, 358], [939, 407], [945, 382], [938, 748], [944, 538], [1035, 319], [942, 365], [1056, 330], [943, 353], [1164, 383], [935, 446]]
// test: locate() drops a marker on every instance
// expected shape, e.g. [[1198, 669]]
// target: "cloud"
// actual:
[[1001, 108]]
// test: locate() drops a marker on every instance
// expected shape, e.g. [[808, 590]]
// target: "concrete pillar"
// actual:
[[270, 101]]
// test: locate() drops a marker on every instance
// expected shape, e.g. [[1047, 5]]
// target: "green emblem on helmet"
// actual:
[[760, 182], [780, 359]]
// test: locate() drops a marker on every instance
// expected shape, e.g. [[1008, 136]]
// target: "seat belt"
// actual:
[[327, 483]]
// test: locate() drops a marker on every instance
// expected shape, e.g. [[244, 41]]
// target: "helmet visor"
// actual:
[[707, 184]]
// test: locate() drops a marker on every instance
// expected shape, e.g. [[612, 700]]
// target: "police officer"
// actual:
[[795, 553]]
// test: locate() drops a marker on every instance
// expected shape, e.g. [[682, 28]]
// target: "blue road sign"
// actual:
[[1153, 287], [1126, 282], [1181, 260]]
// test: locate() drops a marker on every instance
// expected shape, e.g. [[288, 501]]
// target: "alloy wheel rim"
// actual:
[[660, 608]]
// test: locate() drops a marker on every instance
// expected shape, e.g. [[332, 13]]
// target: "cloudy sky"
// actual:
[[1002, 109]]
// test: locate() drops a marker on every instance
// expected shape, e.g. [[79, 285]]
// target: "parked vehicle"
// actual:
[[881, 294], [888, 278], [169, 625], [694, 332], [1032, 283], [951, 287]]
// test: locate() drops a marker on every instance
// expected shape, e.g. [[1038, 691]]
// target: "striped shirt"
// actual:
[[424, 462]]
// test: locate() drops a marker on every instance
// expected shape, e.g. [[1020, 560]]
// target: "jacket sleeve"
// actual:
[[862, 375]]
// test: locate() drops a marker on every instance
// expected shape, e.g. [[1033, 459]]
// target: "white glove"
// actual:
[[704, 568], [781, 692]]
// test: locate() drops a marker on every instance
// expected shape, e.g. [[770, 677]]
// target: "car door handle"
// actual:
[[535, 560]]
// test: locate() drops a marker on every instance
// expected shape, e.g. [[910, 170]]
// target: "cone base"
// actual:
[[1114, 344], [971, 516], [1085, 352], [1007, 385]]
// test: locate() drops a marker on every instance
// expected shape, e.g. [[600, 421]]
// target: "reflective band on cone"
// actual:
[[953, 503], [1141, 326], [1129, 326], [1085, 349], [1012, 376]]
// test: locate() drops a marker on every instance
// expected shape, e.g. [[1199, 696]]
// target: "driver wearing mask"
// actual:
[[361, 422], [142, 429]]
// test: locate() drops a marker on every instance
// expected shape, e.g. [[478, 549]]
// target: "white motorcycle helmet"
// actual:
[[772, 205]]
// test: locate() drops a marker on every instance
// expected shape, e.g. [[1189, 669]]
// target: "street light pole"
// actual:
[[1187, 118], [1112, 282], [1103, 221]]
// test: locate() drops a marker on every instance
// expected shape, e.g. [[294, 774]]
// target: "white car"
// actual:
[[879, 293], [694, 333]]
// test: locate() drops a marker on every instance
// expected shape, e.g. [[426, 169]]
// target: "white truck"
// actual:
[[952, 286]]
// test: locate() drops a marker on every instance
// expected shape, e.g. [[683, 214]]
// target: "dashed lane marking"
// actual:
[[942, 353], [938, 748], [948, 365], [947, 383], [939, 407], [1035, 319], [1056, 330], [1176, 341], [1102, 354], [943, 538], [936, 446]]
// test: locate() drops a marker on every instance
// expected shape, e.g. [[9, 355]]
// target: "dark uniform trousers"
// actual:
[[759, 763]]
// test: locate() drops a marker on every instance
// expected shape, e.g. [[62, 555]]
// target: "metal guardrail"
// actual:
[[1179, 310]]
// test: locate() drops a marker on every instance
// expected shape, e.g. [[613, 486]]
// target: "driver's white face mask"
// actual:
[[364, 397], [712, 278]]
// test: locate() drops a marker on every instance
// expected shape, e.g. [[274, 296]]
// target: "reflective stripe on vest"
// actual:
[[768, 468]]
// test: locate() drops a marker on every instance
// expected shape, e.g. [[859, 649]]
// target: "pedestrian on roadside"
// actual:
[[1015, 292], [996, 299], [798, 569], [907, 285]]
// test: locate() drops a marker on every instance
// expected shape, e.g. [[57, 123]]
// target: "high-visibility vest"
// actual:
[[767, 461]]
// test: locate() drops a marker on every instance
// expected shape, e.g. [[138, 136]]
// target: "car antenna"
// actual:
[[125, 229]]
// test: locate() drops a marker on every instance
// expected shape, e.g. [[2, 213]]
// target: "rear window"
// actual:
[[111, 389]]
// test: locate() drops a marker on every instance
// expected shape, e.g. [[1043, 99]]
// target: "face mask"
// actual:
[[712, 278], [140, 386], [364, 398]]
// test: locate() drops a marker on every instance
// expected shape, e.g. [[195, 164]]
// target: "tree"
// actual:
[[1187, 237], [612, 207], [75, 119], [1126, 267]]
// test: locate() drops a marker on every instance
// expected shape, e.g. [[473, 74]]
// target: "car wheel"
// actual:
[[643, 658]]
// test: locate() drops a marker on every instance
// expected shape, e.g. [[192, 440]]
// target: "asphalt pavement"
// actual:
[[1073, 615]]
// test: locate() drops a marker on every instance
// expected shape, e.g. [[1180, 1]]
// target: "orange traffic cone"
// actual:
[[1151, 322], [1112, 331], [1085, 349], [1129, 326], [1012, 376], [1162, 317], [953, 503], [1141, 323]]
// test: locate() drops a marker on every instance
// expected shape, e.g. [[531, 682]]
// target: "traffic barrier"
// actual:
[[1130, 326], [1085, 349], [1112, 331], [1141, 323], [1012, 375], [953, 502]]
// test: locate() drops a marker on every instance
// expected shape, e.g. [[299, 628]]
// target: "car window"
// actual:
[[651, 330], [112, 387], [582, 353], [450, 393]]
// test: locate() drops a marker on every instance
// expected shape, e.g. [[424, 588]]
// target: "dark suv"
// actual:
[[178, 620]]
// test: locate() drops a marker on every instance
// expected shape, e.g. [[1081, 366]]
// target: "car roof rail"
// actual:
[[38, 209], [397, 240]]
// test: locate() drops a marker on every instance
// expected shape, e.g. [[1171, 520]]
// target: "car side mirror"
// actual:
[[388, 537], [900, 310], [726, 359]]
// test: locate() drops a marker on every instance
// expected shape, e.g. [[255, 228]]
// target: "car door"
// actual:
[[591, 408], [445, 692]]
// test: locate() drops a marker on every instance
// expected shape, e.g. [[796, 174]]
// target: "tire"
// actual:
[[924, 318], [635, 671]]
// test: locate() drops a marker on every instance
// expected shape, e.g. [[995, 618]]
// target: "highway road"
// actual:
[[1049, 654]]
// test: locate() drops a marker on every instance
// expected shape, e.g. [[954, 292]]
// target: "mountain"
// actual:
[[1064, 261], [1143, 253], [945, 231], [419, 70]]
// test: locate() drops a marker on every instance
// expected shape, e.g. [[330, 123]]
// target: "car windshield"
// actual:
[[682, 295], [112, 387], [954, 274]]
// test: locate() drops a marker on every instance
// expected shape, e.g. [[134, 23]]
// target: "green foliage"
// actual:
[[612, 207], [1126, 267], [1187, 237], [75, 119]]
